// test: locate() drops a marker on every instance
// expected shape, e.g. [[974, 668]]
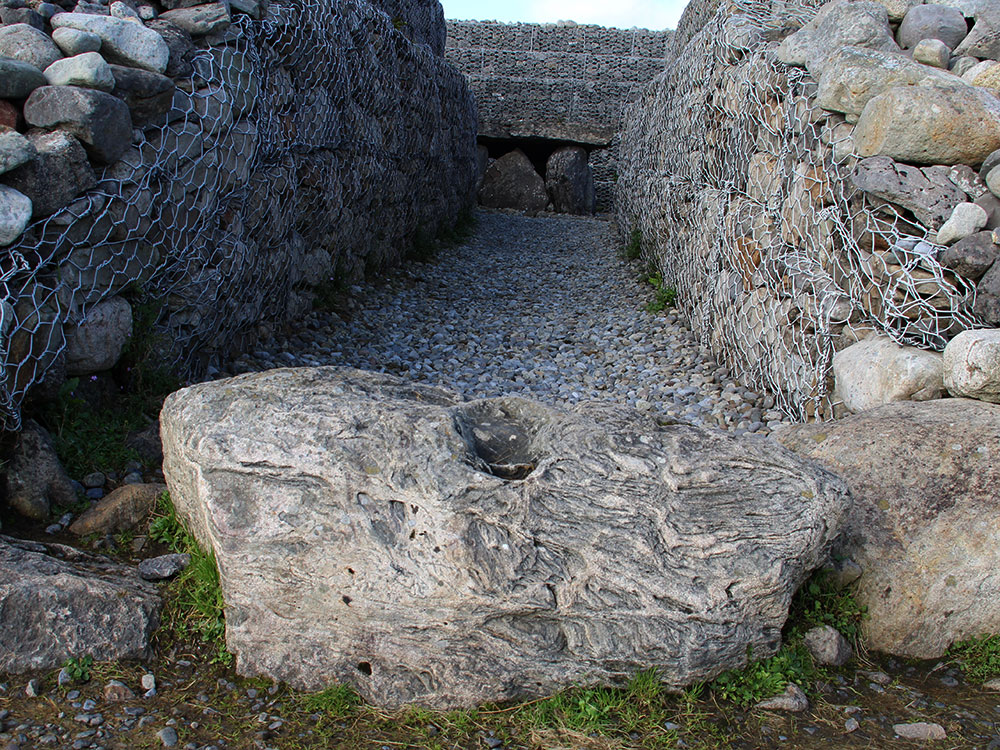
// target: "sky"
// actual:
[[648, 14]]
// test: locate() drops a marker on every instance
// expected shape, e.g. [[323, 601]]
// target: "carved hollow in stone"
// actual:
[[433, 551]]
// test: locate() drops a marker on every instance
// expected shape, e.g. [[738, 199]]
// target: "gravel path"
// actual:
[[541, 307]]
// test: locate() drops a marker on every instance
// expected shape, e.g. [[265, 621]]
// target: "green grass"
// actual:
[[78, 667], [978, 658], [633, 248], [194, 604], [664, 295], [819, 602], [337, 702], [763, 679]]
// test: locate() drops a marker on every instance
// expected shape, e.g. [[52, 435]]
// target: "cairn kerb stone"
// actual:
[[430, 551]]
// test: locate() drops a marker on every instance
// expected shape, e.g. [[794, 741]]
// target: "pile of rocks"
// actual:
[[218, 155], [807, 190], [512, 182]]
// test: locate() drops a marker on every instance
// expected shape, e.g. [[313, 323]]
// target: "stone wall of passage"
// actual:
[[819, 182], [216, 164], [563, 82]]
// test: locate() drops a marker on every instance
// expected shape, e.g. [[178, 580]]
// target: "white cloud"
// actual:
[[650, 14]]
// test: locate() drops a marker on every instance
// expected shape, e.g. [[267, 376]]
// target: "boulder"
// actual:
[[15, 213], [200, 20], [18, 79], [57, 603], [570, 181], [87, 69], [972, 365], [983, 41], [989, 79], [987, 304], [180, 45], [29, 45], [56, 176], [971, 257], [878, 370], [383, 534], [932, 22], [897, 9], [75, 42], [36, 481], [966, 219], [923, 524], [993, 180], [148, 95], [927, 125], [854, 75], [123, 42], [100, 121], [932, 203], [991, 161], [991, 205], [932, 52], [512, 182], [840, 23], [124, 508], [95, 343]]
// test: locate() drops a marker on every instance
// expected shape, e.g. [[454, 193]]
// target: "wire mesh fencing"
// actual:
[[737, 182], [302, 149]]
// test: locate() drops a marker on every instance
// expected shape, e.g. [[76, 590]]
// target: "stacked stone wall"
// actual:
[[564, 82], [281, 150], [753, 171]]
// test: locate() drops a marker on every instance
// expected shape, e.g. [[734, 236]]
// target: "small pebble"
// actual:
[[168, 736], [33, 689]]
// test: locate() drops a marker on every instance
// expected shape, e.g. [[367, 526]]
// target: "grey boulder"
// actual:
[[426, 550], [27, 44], [512, 182], [932, 22], [57, 602], [971, 257], [124, 42], [36, 481], [200, 20], [908, 187], [95, 343], [87, 69], [923, 524], [983, 41], [100, 121], [570, 181], [58, 174], [18, 79], [148, 95], [15, 213], [987, 304]]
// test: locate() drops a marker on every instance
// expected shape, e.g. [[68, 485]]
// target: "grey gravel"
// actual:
[[540, 307]]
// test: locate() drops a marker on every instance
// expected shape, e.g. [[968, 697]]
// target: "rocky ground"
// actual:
[[545, 307]]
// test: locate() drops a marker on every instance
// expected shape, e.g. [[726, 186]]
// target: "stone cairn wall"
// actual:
[[563, 82], [225, 159], [809, 175]]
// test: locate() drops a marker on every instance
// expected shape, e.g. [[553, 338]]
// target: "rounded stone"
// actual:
[[972, 365], [76, 42], [932, 22]]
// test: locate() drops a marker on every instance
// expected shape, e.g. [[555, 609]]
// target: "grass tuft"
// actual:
[[665, 295], [978, 658]]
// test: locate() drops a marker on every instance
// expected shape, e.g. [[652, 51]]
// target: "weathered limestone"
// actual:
[[878, 370], [923, 479], [432, 551], [57, 603], [972, 365]]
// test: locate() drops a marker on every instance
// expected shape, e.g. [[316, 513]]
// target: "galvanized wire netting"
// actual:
[[306, 147], [738, 183]]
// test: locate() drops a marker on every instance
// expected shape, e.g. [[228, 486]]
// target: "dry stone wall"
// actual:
[[796, 189], [220, 161], [564, 82]]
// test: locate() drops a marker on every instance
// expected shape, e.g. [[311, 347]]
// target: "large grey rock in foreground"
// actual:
[[57, 603], [923, 526], [383, 534], [512, 182]]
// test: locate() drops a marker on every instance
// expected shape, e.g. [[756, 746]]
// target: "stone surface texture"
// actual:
[[58, 603], [512, 182], [124, 42], [123, 509], [96, 343], [36, 481], [922, 476], [570, 181], [972, 365], [878, 370], [484, 550], [101, 122]]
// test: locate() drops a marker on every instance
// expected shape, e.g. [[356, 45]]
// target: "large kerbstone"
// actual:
[[58, 603], [927, 125], [124, 42], [379, 533], [878, 370], [923, 525], [101, 121], [512, 182], [570, 181]]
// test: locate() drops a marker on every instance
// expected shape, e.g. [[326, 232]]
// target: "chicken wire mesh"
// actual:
[[737, 183], [305, 147]]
